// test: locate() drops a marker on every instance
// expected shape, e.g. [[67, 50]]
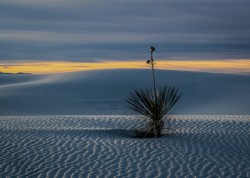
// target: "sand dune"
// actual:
[[103, 92], [104, 146]]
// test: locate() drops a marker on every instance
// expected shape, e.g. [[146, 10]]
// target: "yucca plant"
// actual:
[[153, 103]]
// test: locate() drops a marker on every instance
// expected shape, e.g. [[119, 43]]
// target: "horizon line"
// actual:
[[234, 66]]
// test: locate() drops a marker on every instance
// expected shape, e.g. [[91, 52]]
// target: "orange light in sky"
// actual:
[[218, 66]]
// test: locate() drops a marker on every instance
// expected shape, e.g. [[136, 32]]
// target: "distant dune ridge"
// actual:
[[104, 146], [103, 92], [18, 73]]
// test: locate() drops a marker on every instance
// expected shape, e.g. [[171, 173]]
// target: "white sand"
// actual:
[[103, 92], [104, 146]]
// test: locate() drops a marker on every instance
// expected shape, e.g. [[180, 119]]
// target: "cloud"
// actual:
[[117, 29]]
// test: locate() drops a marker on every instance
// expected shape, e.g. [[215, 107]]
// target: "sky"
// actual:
[[123, 30]]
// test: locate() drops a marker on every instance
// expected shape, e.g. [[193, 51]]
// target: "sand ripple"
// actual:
[[104, 146]]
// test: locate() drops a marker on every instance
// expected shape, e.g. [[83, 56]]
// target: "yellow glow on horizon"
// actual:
[[218, 66]]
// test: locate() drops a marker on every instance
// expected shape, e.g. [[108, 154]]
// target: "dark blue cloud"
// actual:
[[116, 29]]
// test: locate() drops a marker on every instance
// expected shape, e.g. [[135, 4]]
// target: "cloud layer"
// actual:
[[95, 30]]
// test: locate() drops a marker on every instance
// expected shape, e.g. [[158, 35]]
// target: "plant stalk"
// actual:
[[153, 72]]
